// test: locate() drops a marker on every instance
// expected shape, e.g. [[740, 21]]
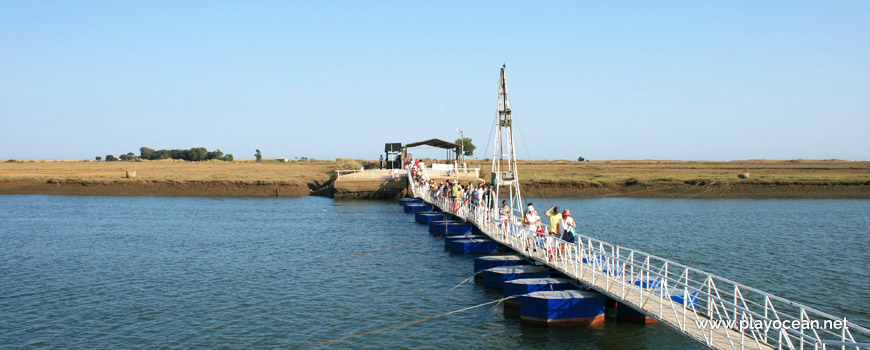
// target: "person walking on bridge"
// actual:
[[504, 214], [531, 220], [481, 189], [567, 226], [457, 196], [566, 230], [491, 200], [554, 215]]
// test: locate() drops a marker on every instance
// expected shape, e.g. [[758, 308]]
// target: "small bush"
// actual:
[[346, 164]]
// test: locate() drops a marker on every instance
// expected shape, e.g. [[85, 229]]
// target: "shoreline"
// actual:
[[157, 188], [713, 190], [834, 179]]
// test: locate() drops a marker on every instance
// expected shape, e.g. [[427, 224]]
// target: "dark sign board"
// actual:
[[393, 147]]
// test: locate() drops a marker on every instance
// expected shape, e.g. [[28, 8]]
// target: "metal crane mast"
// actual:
[[504, 157]]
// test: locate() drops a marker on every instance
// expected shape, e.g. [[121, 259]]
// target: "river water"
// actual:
[[148, 272]]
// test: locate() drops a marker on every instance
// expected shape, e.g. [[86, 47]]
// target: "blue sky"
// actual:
[[603, 80]]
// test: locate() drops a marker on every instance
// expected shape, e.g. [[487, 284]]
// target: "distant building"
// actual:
[[283, 160]]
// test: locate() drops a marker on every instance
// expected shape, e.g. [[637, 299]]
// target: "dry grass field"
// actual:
[[693, 179], [166, 178], [646, 178], [652, 171], [168, 170]]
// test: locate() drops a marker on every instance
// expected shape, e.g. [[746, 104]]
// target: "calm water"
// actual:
[[148, 272]]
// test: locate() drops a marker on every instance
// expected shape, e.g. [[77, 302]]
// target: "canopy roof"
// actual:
[[434, 143]]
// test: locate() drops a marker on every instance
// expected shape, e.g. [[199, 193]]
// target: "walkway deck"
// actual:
[[678, 296]]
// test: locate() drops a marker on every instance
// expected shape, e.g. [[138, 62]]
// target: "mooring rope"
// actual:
[[463, 282], [407, 323], [372, 251], [498, 302]]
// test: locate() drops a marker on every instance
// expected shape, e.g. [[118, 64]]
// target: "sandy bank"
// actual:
[[158, 188], [546, 190], [756, 190], [640, 179]]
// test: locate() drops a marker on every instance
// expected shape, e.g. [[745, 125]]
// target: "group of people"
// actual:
[[470, 194], [559, 224], [416, 167]]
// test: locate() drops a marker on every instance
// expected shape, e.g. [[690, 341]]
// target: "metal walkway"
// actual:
[[678, 296]]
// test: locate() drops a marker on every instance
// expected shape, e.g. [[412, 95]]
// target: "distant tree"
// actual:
[[258, 155], [580, 159], [182, 154], [467, 146], [111, 158], [127, 157], [147, 153], [216, 154], [197, 154], [99, 158], [162, 154], [227, 158]]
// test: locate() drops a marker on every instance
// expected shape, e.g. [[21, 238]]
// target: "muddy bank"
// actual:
[[688, 189], [382, 194], [161, 188], [700, 189]]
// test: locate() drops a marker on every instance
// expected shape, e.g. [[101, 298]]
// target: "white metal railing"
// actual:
[[679, 296], [369, 174], [464, 172]]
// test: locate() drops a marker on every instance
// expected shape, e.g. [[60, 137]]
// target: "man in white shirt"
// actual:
[[531, 220]]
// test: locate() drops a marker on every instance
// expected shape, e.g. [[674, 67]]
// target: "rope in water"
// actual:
[[371, 251], [407, 323], [463, 282]]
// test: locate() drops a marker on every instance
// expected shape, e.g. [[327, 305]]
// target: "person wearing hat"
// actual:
[[567, 226], [531, 220], [566, 230], [554, 216]]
